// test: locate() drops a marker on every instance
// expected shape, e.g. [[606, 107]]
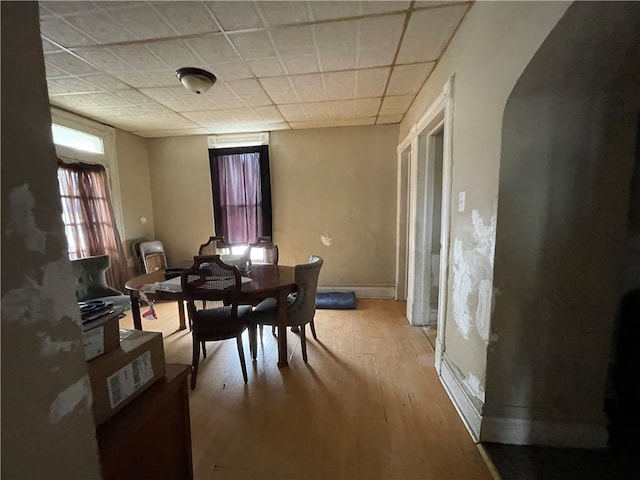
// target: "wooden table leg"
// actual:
[[183, 324], [282, 329], [135, 311]]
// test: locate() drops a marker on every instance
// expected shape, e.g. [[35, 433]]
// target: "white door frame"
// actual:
[[439, 114]]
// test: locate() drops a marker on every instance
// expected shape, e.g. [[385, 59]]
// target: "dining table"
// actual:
[[260, 283]]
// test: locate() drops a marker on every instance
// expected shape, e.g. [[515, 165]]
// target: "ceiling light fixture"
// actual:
[[196, 79]]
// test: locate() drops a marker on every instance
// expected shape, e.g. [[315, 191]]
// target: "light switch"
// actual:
[[461, 201]]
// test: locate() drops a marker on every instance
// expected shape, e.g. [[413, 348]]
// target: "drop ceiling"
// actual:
[[280, 65]]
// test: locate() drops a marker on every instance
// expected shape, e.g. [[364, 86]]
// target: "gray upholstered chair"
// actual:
[[211, 288], [301, 306], [91, 283]]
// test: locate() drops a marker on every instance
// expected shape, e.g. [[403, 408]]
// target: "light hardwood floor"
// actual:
[[368, 405]]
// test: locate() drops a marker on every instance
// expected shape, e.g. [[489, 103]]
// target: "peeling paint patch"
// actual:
[[22, 223], [67, 400], [49, 347], [472, 279], [472, 384], [325, 239], [52, 300]]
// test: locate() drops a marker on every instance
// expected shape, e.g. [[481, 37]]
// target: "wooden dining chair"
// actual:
[[264, 251], [212, 288], [215, 246], [301, 307]]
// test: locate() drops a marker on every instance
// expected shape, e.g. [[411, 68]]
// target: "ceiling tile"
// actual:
[[333, 10], [187, 18], [67, 8], [106, 99], [144, 22], [250, 92], [253, 45], [316, 111], [235, 15], [55, 88], [293, 113], [231, 71], [340, 85], [172, 133], [52, 71], [268, 114], [301, 64], [309, 88], [266, 67], [68, 63], [175, 53], [213, 49], [294, 41], [131, 96], [101, 27], [428, 32], [148, 79], [213, 117], [371, 82], [279, 89], [73, 101], [138, 56], [48, 47], [383, 7], [394, 105], [347, 122], [281, 13], [385, 119], [379, 37], [337, 44], [407, 79], [223, 97], [102, 59], [73, 85], [104, 81], [59, 31]]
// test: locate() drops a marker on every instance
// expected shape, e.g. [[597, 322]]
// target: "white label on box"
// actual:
[[93, 343], [129, 378]]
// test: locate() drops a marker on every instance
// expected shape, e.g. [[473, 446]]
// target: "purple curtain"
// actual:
[[239, 199]]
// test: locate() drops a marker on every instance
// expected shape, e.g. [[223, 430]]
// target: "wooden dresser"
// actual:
[[151, 437]]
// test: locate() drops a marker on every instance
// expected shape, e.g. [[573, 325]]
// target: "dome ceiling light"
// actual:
[[196, 79]]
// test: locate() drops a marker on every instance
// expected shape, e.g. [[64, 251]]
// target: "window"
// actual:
[[76, 139], [241, 186]]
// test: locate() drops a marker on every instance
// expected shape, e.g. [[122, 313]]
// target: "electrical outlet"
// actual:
[[462, 196]]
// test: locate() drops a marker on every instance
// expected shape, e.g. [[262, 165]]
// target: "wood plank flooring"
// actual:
[[367, 405]]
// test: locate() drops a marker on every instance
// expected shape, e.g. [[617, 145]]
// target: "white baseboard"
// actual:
[[361, 292], [525, 431], [470, 416]]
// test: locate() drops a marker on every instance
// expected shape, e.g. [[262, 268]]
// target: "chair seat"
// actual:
[[265, 312], [217, 323]]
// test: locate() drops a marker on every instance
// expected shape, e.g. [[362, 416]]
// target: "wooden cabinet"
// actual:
[[151, 437]]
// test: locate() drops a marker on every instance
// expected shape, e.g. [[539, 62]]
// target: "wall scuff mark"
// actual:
[[472, 279], [21, 220], [52, 300], [49, 347], [67, 400]]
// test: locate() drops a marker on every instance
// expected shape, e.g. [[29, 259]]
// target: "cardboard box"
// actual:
[[120, 376], [102, 335]]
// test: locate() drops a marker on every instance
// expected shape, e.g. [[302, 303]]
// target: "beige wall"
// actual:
[[47, 425], [135, 189], [492, 47], [340, 182], [335, 181]]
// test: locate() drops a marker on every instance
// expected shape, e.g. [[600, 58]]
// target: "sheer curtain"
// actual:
[[88, 217], [241, 193]]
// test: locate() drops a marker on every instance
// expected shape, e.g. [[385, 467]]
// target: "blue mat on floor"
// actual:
[[336, 300]]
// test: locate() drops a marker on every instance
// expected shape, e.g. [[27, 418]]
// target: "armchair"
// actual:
[[91, 283]]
